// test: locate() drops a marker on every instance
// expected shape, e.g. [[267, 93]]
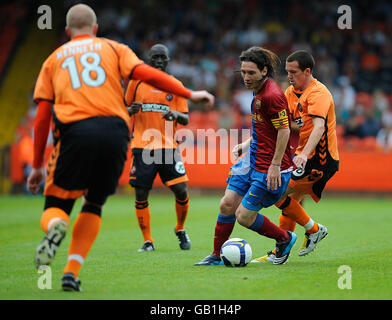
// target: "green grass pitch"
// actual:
[[359, 237]]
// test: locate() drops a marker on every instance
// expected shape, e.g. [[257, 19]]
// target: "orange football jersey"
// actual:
[[314, 101], [82, 78], [149, 129]]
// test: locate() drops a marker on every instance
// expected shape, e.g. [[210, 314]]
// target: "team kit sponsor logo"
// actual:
[[154, 107], [200, 146]]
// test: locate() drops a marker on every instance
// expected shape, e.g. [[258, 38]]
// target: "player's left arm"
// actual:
[[273, 177], [173, 115], [180, 114], [318, 107], [280, 120]]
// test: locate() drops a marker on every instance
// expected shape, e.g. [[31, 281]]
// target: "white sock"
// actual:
[[309, 225]]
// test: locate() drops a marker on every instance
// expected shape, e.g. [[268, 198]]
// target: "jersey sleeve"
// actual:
[[41, 132], [181, 103], [131, 91], [278, 111], [44, 87], [127, 59], [318, 104]]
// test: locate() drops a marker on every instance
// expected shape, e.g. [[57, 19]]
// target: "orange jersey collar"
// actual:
[[79, 36]]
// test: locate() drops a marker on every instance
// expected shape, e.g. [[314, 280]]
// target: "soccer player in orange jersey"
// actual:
[[157, 112], [79, 88], [317, 158]]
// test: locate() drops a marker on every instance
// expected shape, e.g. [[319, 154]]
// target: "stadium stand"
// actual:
[[11, 17], [355, 64]]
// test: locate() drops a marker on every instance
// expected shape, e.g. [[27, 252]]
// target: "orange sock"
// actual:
[[84, 233], [294, 211], [286, 223], [313, 229], [182, 207], [143, 218], [52, 215]]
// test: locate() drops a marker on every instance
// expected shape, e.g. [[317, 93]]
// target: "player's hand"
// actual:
[[170, 115], [203, 96], [300, 160], [237, 151], [34, 179], [274, 179], [134, 108]]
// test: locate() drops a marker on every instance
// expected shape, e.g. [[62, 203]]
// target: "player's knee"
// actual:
[[180, 191], [64, 204], [92, 207], [227, 206], [141, 194], [241, 218], [283, 203], [245, 217]]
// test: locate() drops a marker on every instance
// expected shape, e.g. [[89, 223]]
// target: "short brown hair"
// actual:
[[305, 59], [262, 58]]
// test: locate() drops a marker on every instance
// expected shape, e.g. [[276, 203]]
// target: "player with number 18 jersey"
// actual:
[[82, 81], [71, 74]]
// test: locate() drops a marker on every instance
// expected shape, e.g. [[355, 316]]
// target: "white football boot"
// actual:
[[312, 239], [47, 249]]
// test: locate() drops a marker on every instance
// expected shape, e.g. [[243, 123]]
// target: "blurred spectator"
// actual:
[[344, 98], [370, 126], [226, 119], [384, 137], [205, 39], [243, 99]]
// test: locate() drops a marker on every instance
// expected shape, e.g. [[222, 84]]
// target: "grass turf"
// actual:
[[359, 237]]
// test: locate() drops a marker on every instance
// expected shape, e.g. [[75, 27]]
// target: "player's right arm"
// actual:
[[41, 132], [241, 148], [161, 80], [44, 96], [132, 105]]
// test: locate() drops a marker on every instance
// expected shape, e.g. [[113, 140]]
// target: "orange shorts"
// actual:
[[310, 181]]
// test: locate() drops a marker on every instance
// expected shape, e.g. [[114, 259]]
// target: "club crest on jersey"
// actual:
[[180, 168], [133, 170], [169, 97], [257, 117], [258, 104]]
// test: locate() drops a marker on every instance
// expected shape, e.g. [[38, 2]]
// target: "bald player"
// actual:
[[79, 88], [154, 111]]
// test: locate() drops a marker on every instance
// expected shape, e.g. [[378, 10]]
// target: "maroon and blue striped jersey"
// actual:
[[270, 113]]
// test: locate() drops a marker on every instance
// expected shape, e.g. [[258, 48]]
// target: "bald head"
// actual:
[[158, 56], [159, 49], [81, 19]]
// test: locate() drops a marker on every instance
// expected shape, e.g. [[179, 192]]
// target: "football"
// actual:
[[236, 252]]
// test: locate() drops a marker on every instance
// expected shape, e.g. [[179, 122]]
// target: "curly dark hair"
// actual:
[[262, 58]]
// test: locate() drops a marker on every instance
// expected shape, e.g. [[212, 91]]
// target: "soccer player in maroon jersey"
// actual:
[[260, 178]]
